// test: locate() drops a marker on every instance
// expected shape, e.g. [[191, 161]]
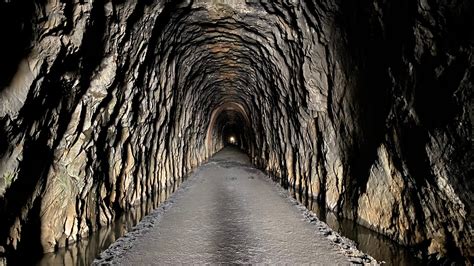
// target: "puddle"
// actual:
[[377, 245], [85, 251]]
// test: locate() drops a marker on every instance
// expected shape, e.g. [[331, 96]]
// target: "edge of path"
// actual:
[[116, 251]]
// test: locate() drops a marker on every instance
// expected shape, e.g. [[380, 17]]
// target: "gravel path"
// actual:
[[230, 212]]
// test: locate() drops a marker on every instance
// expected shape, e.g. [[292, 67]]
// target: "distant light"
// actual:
[[232, 140]]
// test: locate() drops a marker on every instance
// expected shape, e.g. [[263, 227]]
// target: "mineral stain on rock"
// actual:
[[364, 106]]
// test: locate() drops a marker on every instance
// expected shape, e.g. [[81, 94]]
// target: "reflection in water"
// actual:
[[377, 245], [85, 251]]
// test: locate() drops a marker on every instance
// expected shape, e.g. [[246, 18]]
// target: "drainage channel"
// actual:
[[375, 244], [85, 251]]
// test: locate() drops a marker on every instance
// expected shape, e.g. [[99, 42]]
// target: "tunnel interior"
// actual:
[[232, 129], [104, 104]]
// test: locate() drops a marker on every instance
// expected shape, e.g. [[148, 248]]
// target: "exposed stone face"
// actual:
[[365, 105]]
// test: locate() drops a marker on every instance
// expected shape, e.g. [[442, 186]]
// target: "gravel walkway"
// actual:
[[230, 212]]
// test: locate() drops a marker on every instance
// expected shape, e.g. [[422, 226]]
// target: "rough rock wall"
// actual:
[[412, 149], [364, 105], [88, 121]]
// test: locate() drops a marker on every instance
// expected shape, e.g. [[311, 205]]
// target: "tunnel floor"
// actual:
[[230, 212]]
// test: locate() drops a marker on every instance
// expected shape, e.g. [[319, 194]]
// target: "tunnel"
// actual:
[[229, 125], [362, 107]]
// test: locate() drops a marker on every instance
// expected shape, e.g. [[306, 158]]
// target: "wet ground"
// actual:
[[85, 251], [380, 247], [230, 212]]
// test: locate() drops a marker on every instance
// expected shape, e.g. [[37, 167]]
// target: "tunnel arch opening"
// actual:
[[229, 125], [232, 135], [232, 130]]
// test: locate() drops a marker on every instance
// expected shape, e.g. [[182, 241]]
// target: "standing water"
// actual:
[[375, 244], [86, 250]]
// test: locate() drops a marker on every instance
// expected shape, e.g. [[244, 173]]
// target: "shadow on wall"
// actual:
[[20, 206], [422, 106], [16, 21], [21, 193]]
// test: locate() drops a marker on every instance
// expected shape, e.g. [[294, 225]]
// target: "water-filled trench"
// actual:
[[87, 250]]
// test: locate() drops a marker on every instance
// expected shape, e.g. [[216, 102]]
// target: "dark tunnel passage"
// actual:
[[364, 106], [230, 125], [232, 130]]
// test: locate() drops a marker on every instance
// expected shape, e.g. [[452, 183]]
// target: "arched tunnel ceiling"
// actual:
[[363, 105], [230, 119], [232, 53]]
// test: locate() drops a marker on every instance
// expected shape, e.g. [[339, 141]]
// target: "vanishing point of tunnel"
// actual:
[[231, 130]]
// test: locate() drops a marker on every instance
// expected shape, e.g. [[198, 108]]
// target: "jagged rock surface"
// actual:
[[364, 105]]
